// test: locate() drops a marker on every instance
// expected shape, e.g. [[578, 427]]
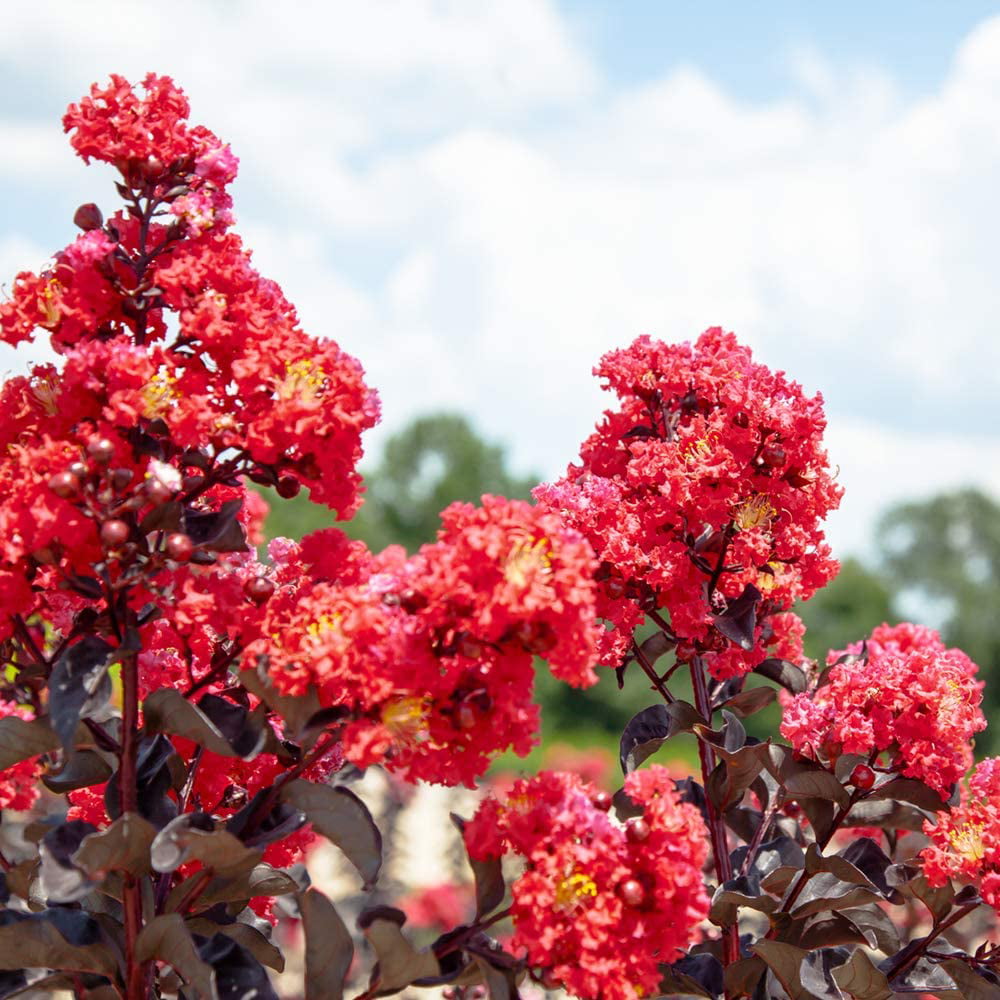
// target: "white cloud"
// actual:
[[455, 193]]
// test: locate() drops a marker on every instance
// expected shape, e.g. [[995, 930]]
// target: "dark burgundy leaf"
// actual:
[[241, 729], [79, 685], [153, 780], [238, 974], [220, 531], [488, 874], [738, 622], [785, 673], [647, 731], [816, 973]]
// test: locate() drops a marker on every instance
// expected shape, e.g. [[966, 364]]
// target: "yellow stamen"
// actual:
[[46, 393], [303, 380], [47, 301], [573, 889], [700, 448], [528, 558], [753, 512], [159, 395], [406, 718], [968, 841]]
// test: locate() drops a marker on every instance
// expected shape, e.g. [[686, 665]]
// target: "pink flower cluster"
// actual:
[[599, 906], [711, 470], [965, 842], [908, 697]]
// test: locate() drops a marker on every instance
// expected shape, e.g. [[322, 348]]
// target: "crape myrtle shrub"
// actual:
[[184, 719]]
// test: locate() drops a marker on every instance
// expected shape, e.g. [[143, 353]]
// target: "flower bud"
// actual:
[[101, 450], [862, 777], [114, 533], [288, 487], [632, 893], [637, 830], [65, 485], [179, 547], [88, 217], [258, 589], [602, 801]]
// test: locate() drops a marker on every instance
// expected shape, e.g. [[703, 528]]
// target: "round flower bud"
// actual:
[[88, 217], [179, 547], [65, 485], [114, 533], [258, 589], [637, 830], [602, 801], [632, 892], [862, 777], [101, 450], [288, 487]]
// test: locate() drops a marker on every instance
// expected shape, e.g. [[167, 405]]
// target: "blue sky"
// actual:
[[746, 47], [479, 199]]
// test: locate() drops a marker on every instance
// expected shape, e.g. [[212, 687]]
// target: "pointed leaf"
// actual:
[[167, 938], [739, 621], [785, 673], [342, 818], [329, 948], [750, 700], [651, 728], [79, 685], [54, 939], [82, 768], [861, 980], [123, 846], [784, 960], [238, 974], [488, 874], [168, 711], [21, 739], [244, 935], [399, 963]]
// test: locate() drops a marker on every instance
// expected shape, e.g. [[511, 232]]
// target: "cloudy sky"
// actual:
[[479, 199]]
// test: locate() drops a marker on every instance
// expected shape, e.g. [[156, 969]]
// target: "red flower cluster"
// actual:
[[147, 138], [710, 471], [965, 843], [908, 696], [599, 906], [434, 653]]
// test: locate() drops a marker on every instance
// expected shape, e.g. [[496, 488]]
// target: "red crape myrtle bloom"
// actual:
[[598, 907], [965, 843], [709, 461], [909, 697], [433, 654]]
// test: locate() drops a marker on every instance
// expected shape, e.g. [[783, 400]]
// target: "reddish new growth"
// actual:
[[965, 843], [434, 653], [905, 695], [597, 909], [710, 474]]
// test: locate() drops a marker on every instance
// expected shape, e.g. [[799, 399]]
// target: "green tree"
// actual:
[[434, 461], [846, 610], [943, 558]]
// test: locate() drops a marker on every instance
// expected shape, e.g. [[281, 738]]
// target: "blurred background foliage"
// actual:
[[938, 561]]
